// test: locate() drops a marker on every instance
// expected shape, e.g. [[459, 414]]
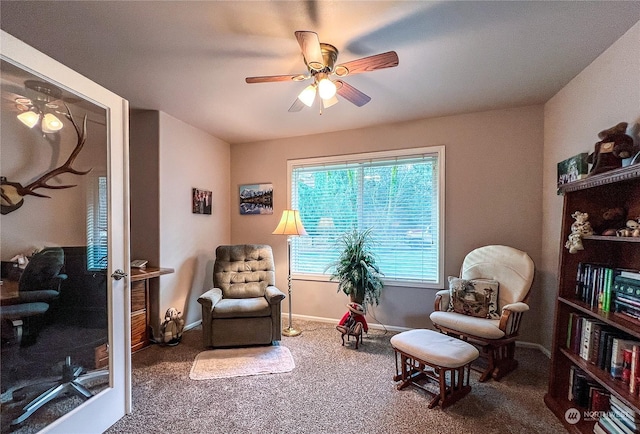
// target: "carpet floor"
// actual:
[[333, 389]]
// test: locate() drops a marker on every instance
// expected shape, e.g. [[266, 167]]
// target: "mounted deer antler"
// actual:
[[13, 193]]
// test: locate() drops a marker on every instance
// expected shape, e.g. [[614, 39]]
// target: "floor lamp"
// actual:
[[290, 225]]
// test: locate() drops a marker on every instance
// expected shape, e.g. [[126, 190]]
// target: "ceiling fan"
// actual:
[[39, 104], [320, 59]]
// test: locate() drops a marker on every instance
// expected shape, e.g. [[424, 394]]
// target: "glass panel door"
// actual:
[[62, 235]]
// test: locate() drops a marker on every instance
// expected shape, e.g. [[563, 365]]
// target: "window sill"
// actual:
[[387, 282]]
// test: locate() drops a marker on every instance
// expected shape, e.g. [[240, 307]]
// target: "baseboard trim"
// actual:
[[192, 325], [538, 347], [376, 326]]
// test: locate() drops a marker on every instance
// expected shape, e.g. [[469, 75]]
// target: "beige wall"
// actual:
[[493, 196], [168, 159], [603, 94], [190, 158]]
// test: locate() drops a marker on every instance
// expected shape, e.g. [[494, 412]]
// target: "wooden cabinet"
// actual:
[[140, 305], [620, 187]]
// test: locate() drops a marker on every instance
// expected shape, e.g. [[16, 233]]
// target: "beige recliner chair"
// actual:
[[243, 307], [514, 271]]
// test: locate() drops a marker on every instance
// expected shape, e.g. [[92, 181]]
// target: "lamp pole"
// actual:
[[289, 331]]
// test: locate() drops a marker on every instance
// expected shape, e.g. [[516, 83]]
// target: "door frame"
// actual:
[[105, 408]]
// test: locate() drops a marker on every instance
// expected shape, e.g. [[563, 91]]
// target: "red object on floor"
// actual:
[[357, 318]]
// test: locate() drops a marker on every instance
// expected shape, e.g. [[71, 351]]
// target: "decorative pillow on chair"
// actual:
[[476, 297]]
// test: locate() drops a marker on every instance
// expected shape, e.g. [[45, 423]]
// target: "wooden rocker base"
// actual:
[[500, 362], [410, 371]]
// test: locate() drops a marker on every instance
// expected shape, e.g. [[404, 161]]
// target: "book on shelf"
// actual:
[[599, 429], [580, 387], [635, 370], [607, 361], [613, 425], [627, 314], [629, 274], [596, 330], [599, 399], [624, 413], [574, 332], [618, 346], [604, 353], [594, 283], [587, 348]]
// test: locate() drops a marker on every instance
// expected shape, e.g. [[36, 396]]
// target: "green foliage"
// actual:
[[355, 269]]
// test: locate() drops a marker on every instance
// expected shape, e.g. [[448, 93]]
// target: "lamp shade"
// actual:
[[290, 224], [51, 123], [29, 118], [326, 88], [308, 95]]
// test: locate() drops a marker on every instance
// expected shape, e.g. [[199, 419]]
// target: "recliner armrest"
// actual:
[[510, 318], [210, 298], [274, 295], [442, 300], [518, 306]]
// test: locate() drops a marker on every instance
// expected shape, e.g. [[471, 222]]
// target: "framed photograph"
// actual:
[[201, 201], [573, 169], [256, 199]]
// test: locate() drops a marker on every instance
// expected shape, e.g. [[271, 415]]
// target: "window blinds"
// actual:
[[396, 197], [97, 225]]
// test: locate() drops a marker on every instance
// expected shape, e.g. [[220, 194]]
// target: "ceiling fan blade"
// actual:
[[296, 106], [366, 64], [310, 46], [352, 94], [271, 78]]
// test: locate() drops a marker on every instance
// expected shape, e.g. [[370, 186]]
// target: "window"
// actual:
[[97, 224], [399, 194]]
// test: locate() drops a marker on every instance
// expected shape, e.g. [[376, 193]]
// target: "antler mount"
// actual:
[[12, 194]]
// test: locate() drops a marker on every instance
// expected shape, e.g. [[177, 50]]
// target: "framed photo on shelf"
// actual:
[[201, 201], [573, 169], [256, 199]]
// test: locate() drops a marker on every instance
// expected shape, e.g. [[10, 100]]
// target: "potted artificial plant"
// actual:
[[355, 269]]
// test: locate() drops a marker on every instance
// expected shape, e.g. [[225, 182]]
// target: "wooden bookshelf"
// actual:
[[620, 187]]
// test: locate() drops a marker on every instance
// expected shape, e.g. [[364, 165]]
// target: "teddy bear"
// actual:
[[579, 228], [353, 323], [614, 146], [172, 327], [610, 220]]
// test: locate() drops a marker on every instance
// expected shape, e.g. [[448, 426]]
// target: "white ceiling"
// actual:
[[190, 59]]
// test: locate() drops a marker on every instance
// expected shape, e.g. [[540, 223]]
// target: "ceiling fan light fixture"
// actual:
[[308, 95], [51, 123], [326, 103], [326, 88], [29, 118]]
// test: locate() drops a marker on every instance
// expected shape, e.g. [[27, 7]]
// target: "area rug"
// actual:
[[238, 362]]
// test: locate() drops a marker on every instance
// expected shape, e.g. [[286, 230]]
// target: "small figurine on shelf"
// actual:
[[579, 228], [631, 230]]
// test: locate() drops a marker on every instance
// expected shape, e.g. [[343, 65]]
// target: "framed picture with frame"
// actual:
[[256, 199], [201, 201]]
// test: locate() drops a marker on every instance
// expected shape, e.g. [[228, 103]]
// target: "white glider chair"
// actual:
[[485, 305]]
